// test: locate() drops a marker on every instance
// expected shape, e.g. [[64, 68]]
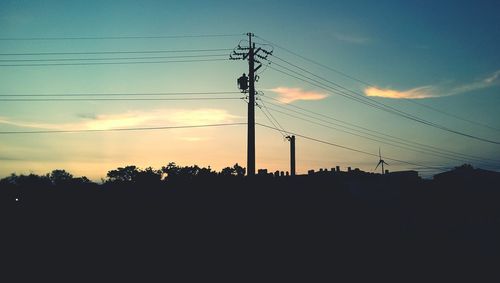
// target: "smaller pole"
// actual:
[[292, 154]]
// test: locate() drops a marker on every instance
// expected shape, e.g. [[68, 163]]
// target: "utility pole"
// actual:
[[251, 109], [250, 54], [292, 154]]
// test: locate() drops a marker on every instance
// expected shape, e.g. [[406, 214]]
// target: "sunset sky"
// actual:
[[435, 60]]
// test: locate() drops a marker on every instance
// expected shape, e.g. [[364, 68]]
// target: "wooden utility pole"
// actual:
[[250, 54], [292, 154], [251, 108]]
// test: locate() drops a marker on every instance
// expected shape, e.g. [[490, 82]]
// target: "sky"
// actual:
[[434, 60]]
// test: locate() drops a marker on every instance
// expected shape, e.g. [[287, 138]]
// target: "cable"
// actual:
[[118, 94], [372, 85], [110, 63], [382, 106], [272, 116], [117, 37], [428, 152], [111, 58], [452, 115], [350, 148], [312, 61], [269, 119], [385, 136], [121, 129], [115, 52], [284, 136], [116, 99]]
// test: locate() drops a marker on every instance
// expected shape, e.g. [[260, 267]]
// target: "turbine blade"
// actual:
[[377, 166]]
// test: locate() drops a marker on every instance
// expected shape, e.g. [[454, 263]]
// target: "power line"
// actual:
[[385, 136], [374, 86], [117, 37], [269, 119], [120, 129], [282, 132], [452, 115], [111, 63], [272, 116], [312, 61], [111, 58], [378, 139], [115, 52], [375, 104], [119, 94], [350, 148], [115, 99]]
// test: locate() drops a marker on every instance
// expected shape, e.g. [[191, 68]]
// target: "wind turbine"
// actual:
[[381, 161]]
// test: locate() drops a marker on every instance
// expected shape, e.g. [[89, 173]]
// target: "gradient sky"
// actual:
[[444, 54]]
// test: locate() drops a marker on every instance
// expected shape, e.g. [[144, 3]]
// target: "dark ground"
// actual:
[[263, 229]]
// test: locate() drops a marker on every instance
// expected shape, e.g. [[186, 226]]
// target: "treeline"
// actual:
[[123, 175], [199, 211]]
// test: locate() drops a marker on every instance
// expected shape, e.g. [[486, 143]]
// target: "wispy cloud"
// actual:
[[158, 117], [288, 95], [435, 91], [495, 77]]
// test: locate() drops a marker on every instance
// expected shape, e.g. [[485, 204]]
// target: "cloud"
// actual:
[[435, 91], [494, 78], [289, 95], [158, 117], [414, 93]]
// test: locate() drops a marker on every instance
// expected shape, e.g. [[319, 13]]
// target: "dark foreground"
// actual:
[[263, 229]]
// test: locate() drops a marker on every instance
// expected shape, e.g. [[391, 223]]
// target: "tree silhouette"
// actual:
[[60, 177], [123, 174], [227, 171], [148, 175], [240, 171], [236, 170]]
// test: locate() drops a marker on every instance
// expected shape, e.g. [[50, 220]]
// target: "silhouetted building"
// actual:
[[409, 175]]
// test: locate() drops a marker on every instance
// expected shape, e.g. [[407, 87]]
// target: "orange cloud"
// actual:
[[414, 93], [436, 90], [288, 95]]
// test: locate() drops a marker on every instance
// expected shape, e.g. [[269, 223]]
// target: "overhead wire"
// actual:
[[111, 58], [114, 52], [374, 86], [120, 94], [120, 129], [378, 105], [381, 139], [270, 120], [272, 116], [111, 63], [114, 99], [379, 134], [117, 37], [351, 148]]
